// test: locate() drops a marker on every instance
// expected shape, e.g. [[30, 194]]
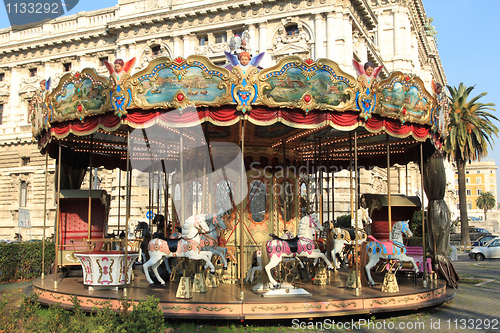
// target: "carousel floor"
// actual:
[[224, 302]]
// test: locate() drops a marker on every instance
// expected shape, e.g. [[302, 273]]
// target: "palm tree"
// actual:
[[486, 200], [470, 131]]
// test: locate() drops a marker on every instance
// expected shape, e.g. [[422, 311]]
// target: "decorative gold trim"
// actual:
[[270, 308], [308, 69], [439, 292], [98, 302], [213, 308], [307, 306], [176, 308], [428, 295], [58, 297], [340, 305], [383, 302], [180, 69], [402, 109], [110, 273], [81, 112]]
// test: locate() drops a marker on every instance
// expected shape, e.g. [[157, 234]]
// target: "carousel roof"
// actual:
[[298, 104]]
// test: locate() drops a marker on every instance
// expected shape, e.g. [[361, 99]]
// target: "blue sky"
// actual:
[[467, 36]]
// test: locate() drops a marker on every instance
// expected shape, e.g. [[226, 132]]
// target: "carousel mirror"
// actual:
[[286, 200], [258, 199], [223, 198]]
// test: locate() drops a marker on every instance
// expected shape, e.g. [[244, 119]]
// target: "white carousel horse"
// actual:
[[300, 246], [188, 247], [257, 259], [342, 237], [393, 249]]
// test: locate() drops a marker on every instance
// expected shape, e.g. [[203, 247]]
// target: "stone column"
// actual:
[[15, 85], [397, 33], [319, 36], [132, 51], [186, 44], [211, 38], [266, 61], [251, 31], [330, 36], [348, 47], [177, 46]]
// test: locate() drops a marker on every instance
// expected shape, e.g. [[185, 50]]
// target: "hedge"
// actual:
[[23, 261]]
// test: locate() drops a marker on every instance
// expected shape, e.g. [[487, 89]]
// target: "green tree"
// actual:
[[485, 201], [470, 131]]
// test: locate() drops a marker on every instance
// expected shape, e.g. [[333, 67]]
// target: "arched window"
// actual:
[[23, 194]]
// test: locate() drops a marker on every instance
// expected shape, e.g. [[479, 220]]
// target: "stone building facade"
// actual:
[[393, 33]]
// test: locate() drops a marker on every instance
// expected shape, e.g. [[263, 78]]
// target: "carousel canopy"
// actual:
[[297, 105]]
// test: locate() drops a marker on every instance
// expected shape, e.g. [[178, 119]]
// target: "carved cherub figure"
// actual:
[[120, 68], [367, 73]]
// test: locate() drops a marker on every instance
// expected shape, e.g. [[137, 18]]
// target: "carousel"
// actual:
[[242, 160]]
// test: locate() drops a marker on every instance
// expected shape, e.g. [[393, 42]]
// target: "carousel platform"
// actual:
[[227, 302]]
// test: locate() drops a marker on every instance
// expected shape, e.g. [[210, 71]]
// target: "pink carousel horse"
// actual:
[[188, 247], [301, 246]]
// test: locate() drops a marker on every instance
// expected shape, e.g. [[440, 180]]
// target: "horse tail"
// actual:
[[329, 243], [264, 259], [363, 259]]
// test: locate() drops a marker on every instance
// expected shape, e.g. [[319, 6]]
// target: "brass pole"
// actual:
[[128, 182], [242, 215], [90, 189], [389, 207], [351, 194], [119, 197], [58, 218], [423, 207], [356, 229], [181, 174], [45, 213]]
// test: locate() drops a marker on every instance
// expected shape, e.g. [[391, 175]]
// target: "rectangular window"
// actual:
[[479, 191], [478, 180], [2, 76], [456, 181], [467, 180], [1, 114], [25, 161], [478, 171], [67, 66], [203, 40], [468, 192], [102, 60], [33, 72], [469, 205], [221, 38], [23, 194]]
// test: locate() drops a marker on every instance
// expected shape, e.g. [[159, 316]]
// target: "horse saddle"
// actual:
[[172, 243], [293, 243], [389, 245]]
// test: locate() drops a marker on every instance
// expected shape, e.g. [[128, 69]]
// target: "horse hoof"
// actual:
[[213, 273], [224, 268]]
